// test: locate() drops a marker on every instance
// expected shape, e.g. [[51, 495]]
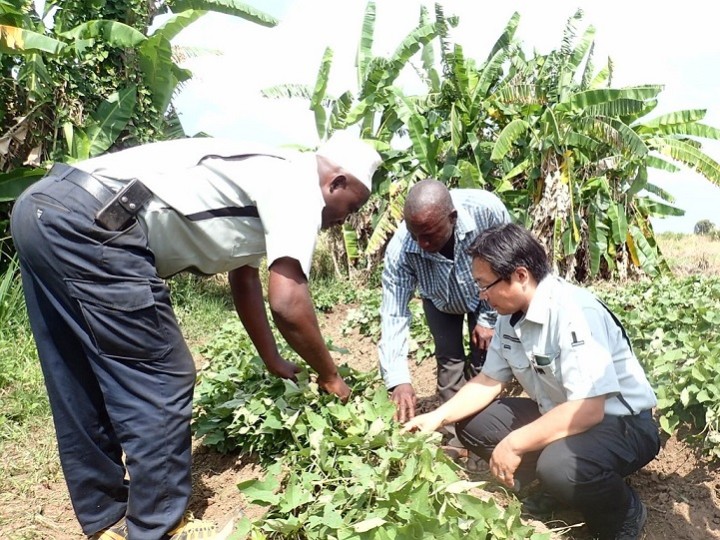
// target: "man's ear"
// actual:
[[523, 274], [339, 181]]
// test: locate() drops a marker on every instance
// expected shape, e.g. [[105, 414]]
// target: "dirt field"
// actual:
[[681, 490]]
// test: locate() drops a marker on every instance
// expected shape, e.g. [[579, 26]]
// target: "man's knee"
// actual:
[[562, 470], [557, 469], [474, 438]]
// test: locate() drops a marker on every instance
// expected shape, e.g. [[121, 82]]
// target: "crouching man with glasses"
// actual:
[[587, 423]]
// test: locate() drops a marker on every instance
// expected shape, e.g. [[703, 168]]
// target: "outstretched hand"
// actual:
[[335, 385], [405, 400], [283, 368], [424, 423]]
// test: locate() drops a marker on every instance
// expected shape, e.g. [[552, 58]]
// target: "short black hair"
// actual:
[[509, 246]]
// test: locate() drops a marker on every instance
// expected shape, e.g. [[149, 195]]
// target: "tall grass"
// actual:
[[21, 387], [27, 445], [201, 304], [11, 302], [689, 254]]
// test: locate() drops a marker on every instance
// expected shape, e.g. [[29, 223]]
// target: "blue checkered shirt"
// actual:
[[448, 284]]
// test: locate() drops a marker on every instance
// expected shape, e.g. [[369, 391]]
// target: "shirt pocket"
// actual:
[[545, 361], [546, 365], [121, 318], [514, 353]]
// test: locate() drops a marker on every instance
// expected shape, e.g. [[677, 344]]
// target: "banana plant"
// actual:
[[382, 113], [79, 81]]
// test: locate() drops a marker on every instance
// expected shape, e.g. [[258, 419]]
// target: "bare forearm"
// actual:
[[294, 315], [250, 306], [566, 419], [301, 331], [473, 397]]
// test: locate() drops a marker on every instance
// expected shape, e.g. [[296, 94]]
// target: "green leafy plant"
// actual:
[[240, 407], [334, 470], [674, 325], [329, 293], [356, 476]]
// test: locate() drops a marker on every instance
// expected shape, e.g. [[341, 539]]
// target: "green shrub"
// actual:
[[674, 325], [335, 470]]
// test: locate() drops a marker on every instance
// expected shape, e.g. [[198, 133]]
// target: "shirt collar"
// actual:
[[540, 303], [465, 223]]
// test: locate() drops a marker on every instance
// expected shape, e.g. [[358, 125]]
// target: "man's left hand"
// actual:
[[504, 462], [481, 337]]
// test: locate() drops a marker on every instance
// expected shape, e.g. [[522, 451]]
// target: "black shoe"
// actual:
[[634, 519], [541, 504]]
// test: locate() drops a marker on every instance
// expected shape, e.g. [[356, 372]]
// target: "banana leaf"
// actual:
[[229, 7], [110, 119], [508, 136], [13, 183], [318, 95], [14, 40], [686, 153], [112, 33]]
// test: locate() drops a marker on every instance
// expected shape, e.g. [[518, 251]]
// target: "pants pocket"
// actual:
[[122, 318]]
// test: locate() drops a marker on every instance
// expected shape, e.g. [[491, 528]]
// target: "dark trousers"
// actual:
[[118, 373], [454, 366], [585, 471]]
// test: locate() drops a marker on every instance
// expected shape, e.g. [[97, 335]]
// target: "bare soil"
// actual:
[[680, 488]]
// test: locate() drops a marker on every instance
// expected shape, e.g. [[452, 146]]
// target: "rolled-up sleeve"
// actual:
[[486, 315], [496, 366], [487, 211]]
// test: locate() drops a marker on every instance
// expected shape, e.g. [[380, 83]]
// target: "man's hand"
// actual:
[[335, 385], [283, 368], [481, 337], [424, 423], [403, 396], [504, 462]]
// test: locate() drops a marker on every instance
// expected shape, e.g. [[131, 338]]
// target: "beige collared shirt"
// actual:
[[220, 204]]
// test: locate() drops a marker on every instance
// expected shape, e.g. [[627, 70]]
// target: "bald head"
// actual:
[[427, 197], [430, 216]]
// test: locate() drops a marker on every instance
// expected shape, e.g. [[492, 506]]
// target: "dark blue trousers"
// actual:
[[585, 471], [118, 373]]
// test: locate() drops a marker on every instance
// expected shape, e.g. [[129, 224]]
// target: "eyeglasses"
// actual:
[[485, 289]]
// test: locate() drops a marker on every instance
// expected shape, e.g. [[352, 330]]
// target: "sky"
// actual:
[[649, 42]]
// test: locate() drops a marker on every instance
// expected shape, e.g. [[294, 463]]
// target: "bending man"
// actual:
[[96, 240], [428, 253]]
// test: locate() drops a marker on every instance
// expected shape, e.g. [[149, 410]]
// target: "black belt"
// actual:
[[118, 208], [82, 179]]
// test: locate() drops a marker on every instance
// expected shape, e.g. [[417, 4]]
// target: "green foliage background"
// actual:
[[567, 152], [674, 324]]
